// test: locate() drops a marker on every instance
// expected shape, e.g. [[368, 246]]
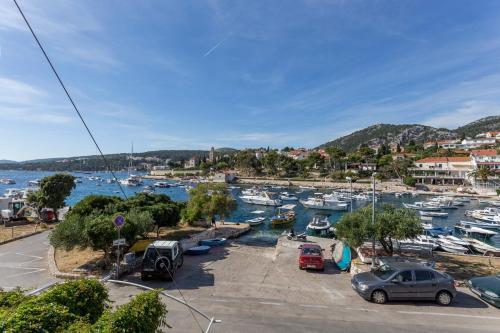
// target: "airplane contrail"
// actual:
[[213, 48]]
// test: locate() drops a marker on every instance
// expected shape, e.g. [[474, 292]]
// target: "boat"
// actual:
[[7, 181], [251, 191], [436, 231], [307, 188], [132, 180], [486, 217], [482, 247], [420, 205], [320, 226], [35, 182], [477, 231], [318, 203], [421, 242], [258, 212], [432, 213], [283, 217], [341, 254], [256, 220], [285, 196], [448, 246], [161, 184], [483, 224], [197, 250], [213, 242], [262, 198]]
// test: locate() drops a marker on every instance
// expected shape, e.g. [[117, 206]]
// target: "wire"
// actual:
[[69, 97]]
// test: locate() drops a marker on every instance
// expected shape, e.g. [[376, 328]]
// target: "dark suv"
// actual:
[[161, 259], [404, 281]]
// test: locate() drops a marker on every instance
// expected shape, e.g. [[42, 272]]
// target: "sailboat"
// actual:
[[131, 180]]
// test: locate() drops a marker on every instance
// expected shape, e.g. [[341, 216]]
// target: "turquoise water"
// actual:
[[264, 233]]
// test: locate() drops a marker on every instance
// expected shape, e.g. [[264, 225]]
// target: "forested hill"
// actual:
[[403, 134]]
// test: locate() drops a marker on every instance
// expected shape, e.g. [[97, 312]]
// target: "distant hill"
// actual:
[[403, 134], [8, 162]]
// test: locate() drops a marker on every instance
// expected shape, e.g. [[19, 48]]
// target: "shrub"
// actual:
[[498, 191], [87, 298], [410, 181], [145, 313]]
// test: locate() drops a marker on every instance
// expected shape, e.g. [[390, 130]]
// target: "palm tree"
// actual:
[[483, 173]]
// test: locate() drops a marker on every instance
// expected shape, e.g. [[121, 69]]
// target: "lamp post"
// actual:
[[349, 180], [373, 219]]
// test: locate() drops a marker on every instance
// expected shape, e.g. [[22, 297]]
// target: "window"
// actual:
[[423, 276], [404, 276]]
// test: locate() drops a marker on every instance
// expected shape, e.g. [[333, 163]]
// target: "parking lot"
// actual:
[[252, 288]]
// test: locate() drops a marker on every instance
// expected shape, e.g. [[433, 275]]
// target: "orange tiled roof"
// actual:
[[444, 159], [484, 152]]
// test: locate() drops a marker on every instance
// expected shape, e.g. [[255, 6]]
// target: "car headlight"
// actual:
[[363, 287], [491, 294]]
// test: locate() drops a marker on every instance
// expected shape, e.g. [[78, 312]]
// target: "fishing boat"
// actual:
[[285, 196], [197, 250], [256, 220], [261, 198], [449, 246], [283, 217], [432, 213], [341, 254], [319, 203], [213, 242], [320, 226], [475, 231], [420, 205], [482, 224]]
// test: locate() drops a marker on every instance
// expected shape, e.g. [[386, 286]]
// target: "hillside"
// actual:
[[403, 134], [7, 162]]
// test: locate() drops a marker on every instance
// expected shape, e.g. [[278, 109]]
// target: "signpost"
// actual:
[[119, 221]]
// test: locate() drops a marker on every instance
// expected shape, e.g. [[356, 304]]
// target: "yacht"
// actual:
[[161, 184], [319, 203], [132, 180], [260, 198]]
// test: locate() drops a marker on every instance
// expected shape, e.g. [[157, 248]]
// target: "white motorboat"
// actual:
[[432, 213], [472, 230], [455, 240], [483, 224], [319, 226], [35, 182], [486, 217], [420, 205], [427, 226], [421, 242], [256, 220], [451, 247], [285, 196], [482, 247], [7, 181], [132, 180], [261, 198], [161, 184], [250, 191], [319, 203], [309, 188]]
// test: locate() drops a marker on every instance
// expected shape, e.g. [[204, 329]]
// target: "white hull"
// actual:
[[260, 201]]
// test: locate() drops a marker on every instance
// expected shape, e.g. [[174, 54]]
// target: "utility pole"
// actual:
[[373, 219], [349, 179]]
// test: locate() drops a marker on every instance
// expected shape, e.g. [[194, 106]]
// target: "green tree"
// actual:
[[289, 166], [208, 200], [271, 163], [53, 191], [409, 181], [482, 173], [246, 161], [390, 224]]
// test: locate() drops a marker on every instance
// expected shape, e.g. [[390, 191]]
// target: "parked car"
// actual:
[[161, 259], [311, 257], [404, 281], [486, 287]]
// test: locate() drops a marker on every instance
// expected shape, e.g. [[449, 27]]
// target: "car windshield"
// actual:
[[311, 251], [383, 272]]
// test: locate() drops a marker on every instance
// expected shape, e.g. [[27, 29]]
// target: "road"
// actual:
[[23, 263], [258, 289]]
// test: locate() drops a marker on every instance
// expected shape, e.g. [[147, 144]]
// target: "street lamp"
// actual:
[[373, 219], [349, 180]]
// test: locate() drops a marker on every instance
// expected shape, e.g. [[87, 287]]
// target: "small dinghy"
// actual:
[[433, 214], [197, 250], [214, 242], [256, 221]]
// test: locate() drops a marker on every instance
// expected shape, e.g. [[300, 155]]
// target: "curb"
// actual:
[[53, 267], [21, 237]]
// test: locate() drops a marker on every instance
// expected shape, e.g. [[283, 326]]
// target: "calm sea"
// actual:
[[263, 234]]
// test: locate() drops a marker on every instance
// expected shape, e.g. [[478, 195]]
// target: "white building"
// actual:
[[477, 142], [486, 158], [442, 170]]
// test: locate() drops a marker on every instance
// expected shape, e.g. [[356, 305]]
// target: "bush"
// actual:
[[410, 181], [498, 191], [87, 298], [145, 313]]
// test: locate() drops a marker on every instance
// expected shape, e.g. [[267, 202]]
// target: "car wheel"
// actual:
[[144, 277], [444, 298], [379, 297]]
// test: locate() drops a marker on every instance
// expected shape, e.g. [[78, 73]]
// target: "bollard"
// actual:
[[12, 232]]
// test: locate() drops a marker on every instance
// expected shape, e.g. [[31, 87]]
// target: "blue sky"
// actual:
[[192, 74]]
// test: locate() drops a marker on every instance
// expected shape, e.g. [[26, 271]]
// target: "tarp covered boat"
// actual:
[[342, 255]]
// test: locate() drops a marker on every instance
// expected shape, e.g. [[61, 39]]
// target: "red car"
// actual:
[[311, 257]]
